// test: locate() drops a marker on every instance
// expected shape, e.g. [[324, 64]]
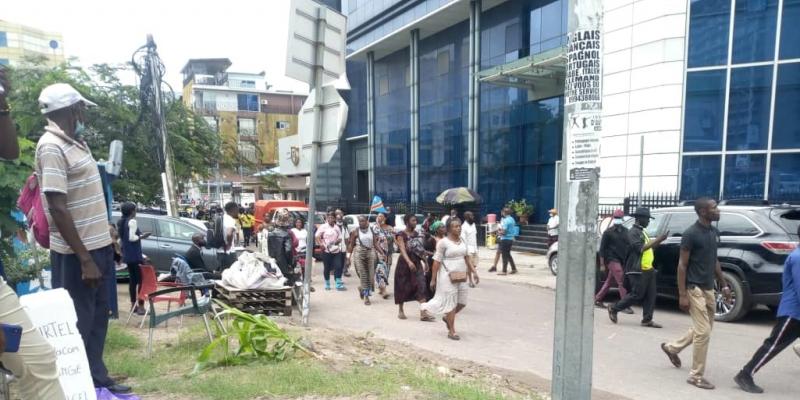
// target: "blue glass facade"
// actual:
[[356, 99], [700, 176], [709, 23], [519, 139], [443, 130], [392, 127], [752, 148]]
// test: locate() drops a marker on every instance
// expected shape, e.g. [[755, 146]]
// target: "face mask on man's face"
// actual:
[[618, 221], [80, 128]]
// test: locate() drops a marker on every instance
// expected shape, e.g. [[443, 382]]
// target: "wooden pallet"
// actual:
[[267, 302]]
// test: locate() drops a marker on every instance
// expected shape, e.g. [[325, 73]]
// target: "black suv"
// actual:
[[754, 243]]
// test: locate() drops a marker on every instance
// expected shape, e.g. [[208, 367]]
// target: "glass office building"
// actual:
[[518, 135], [712, 85], [741, 137]]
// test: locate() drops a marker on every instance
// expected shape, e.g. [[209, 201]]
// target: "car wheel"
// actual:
[[740, 304], [552, 262]]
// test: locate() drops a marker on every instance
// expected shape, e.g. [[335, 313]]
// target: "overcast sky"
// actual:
[[251, 33]]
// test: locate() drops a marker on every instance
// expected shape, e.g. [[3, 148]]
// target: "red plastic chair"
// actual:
[[149, 285]]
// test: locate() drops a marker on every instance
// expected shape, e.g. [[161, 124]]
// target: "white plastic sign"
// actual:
[[53, 314]]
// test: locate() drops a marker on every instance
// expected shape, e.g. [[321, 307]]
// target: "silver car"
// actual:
[[170, 236]]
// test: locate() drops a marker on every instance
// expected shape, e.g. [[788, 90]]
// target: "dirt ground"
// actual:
[[340, 350]]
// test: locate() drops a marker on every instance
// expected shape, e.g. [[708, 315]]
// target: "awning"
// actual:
[[542, 73]]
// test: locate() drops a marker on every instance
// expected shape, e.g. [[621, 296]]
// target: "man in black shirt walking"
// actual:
[[697, 267], [639, 269]]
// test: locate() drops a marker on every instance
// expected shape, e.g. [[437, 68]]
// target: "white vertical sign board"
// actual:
[[582, 88], [334, 119], [302, 39], [53, 314]]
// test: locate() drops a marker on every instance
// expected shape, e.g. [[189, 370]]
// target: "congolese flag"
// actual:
[[377, 205]]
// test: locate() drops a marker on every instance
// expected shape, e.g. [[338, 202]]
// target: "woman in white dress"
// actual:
[[451, 256]]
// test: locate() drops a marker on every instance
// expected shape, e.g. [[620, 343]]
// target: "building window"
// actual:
[[3, 39], [749, 108], [705, 111], [212, 122], [547, 27], [754, 30], [247, 102], [790, 30], [247, 126], [443, 62], [785, 128], [784, 177], [248, 152], [247, 84], [744, 176], [708, 32], [282, 125], [700, 177]]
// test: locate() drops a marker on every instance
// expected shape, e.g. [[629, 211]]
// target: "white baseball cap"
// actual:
[[60, 95]]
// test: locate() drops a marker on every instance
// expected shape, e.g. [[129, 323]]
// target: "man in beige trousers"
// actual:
[[697, 268]]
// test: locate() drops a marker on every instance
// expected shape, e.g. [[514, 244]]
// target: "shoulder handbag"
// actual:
[[455, 276]]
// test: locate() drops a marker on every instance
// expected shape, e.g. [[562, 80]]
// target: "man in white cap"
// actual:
[[80, 243], [34, 364]]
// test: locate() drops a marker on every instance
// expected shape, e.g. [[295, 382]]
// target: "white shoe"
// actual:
[[797, 349]]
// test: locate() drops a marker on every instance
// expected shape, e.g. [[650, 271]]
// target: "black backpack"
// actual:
[[216, 235]]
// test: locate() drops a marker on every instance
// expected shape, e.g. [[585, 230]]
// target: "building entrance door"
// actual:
[[362, 186]]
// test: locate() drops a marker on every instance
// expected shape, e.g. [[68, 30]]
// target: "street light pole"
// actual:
[[578, 201]]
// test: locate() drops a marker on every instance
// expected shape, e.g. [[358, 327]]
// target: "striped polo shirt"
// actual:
[[65, 165]]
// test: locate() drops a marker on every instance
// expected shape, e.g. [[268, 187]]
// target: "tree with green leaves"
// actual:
[[118, 116]]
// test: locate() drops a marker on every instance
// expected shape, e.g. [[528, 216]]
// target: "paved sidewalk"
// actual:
[[533, 269]]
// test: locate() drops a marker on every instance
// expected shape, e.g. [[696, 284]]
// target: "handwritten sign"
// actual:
[[53, 314]]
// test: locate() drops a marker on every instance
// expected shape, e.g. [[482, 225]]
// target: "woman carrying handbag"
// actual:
[[451, 266]]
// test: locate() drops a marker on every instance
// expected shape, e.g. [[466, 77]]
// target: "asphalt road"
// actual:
[[511, 326]]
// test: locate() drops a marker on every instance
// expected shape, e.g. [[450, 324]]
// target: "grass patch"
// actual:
[[167, 372]]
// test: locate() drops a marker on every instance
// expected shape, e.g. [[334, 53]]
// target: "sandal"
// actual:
[[386, 296], [454, 336], [700, 382], [427, 318], [367, 302], [673, 358], [401, 316]]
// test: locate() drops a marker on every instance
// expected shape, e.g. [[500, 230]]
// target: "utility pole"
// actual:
[[167, 176], [578, 201]]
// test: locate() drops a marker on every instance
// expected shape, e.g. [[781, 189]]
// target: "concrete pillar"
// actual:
[[414, 104], [473, 124], [371, 121]]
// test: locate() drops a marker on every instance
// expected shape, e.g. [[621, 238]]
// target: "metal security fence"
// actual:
[[651, 201]]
